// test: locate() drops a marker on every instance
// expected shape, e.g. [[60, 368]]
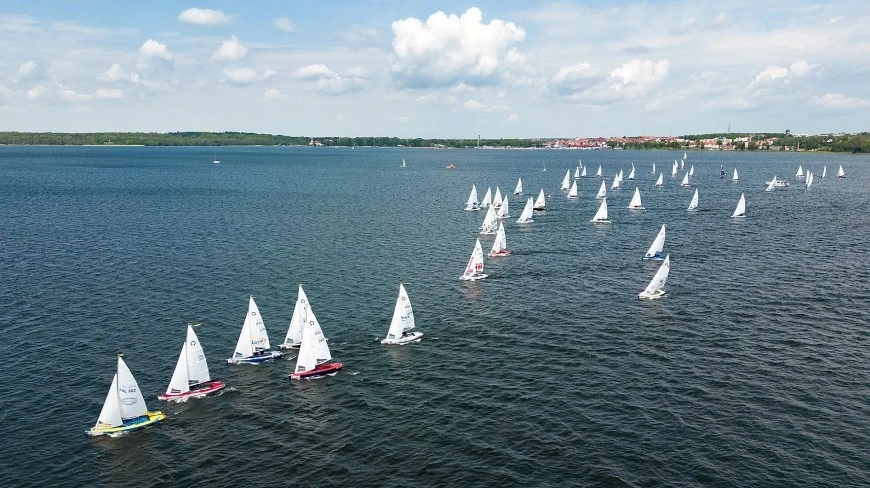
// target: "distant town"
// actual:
[[785, 141]]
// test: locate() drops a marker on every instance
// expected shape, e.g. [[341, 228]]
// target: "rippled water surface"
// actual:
[[754, 370]]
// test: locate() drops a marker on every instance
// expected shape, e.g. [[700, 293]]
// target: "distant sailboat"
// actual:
[[631, 173], [771, 184], [403, 163], [602, 192], [800, 172], [685, 181], [674, 169], [685, 156], [840, 172], [653, 169], [402, 322], [598, 173], [825, 171], [721, 171], [734, 178], [566, 181], [572, 193], [124, 409], [216, 160], [692, 170], [253, 345], [191, 378], [616, 182], [490, 222], [583, 173], [601, 215], [635, 201], [740, 211], [314, 355], [809, 179], [541, 202], [526, 216], [499, 245], [497, 199], [472, 203], [656, 287], [474, 268], [487, 198], [302, 314], [503, 211], [693, 205], [576, 172], [519, 189], [545, 168], [661, 181], [656, 250]]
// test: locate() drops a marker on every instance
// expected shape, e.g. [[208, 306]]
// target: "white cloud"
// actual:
[[246, 76], [801, 68], [450, 49], [36, 92], [285, 24], [510, 119], [473, 105], [29, 71], [312, 72], [230, 50], [770, 73], [329, 82], [203, 16], [152, 49], [429, 97], [109, 94], [273, 94], [116, 74], [641, 73], [632, 80], [71, 95], [838, 102]]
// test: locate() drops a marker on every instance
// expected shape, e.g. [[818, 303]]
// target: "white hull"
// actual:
[[651, 296], [406, 339], [473, 277]]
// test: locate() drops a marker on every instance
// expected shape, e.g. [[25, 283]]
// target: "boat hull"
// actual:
[[288, 346], [266, 356], [655, 257], [129, 425], [325, 369], [406, 339], [473, 277], [637, 208], [499, 254], [599, 221], [201, 390], [651, 296]]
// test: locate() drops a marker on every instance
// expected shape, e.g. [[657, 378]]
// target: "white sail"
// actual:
[[653, 169], [111, 412], [566, 181], [314, 348], [298, 320], [519, 189], [810, 177], [840, 172], [735, 177], [572, 193], [661, 180], [576, 172], [740, 211], [657, 246], [674, 169], [403, 162], [253, 336], [503, 209], [635, 201], [656, 287], [685, 156], [487, 198], [490, 222], [129, 397], [541, 202], [693, 205], [685, 181], [583, 173], [526, 216], [403, 315], [771, 185], [474, 268], [598, 173], [682, 163], [602, 192], [800, 172], [825, 171], [620, 176], [631, 173], [601, 214], [615, 185], [472, 203], [191, 368], [500, 242], [497, 199], [692, 170]]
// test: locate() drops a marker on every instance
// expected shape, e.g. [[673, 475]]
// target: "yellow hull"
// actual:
[[152, 418]]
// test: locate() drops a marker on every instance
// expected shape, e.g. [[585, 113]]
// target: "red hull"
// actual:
[[201, 391], [319, 370]]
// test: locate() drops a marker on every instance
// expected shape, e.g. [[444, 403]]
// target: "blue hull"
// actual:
[[256, 359]]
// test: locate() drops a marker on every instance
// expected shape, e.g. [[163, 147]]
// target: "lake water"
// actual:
[[754, 370]]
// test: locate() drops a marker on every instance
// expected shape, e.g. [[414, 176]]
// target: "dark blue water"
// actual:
[[754, 370]]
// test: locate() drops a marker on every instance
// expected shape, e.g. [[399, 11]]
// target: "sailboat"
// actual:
[[302, 314], [602, 192], [474, 268], [526, 216], [499, 245], [490, 222], [314, 355], [545, 168], [253, 345], [598, 173], [635, 201], [566, 181], [572, 193], [519, 189], [403, 163], [616, 181], [583, 173], [403, 322], [682, 163], [496, 199], [674, 169], [809, 179], [655, 249], [771, 184], [693, 205], [721, 171], [541, 201], [216, 160], [656, 287], [685, 156], [503, 209], [653, 169], [825, 171], [487, 198], [191, 378], [692, 170], [800, 172], [124, 409], [631, 173], [472, 204], [576, 172], [601, 215], [840, 172], [735, 177], [661, 181], [740, 211], [685, 181]]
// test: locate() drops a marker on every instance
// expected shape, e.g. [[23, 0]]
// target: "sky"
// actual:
[[406, 68]]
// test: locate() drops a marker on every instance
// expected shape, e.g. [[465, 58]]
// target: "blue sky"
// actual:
[[435, 69]]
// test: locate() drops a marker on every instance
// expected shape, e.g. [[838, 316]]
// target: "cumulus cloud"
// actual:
[[329, 82], [770, 73], [575, 78], [117, 74], [838, 102], [641, 73], [36, 92], [203, 16], [632, 80], [312, 72], [801, 68], [230, 50], [29, 71], [285, 24], [109, 94], [273, 94], [152, 49], [510, 119], [247, 76], [450, 49]]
